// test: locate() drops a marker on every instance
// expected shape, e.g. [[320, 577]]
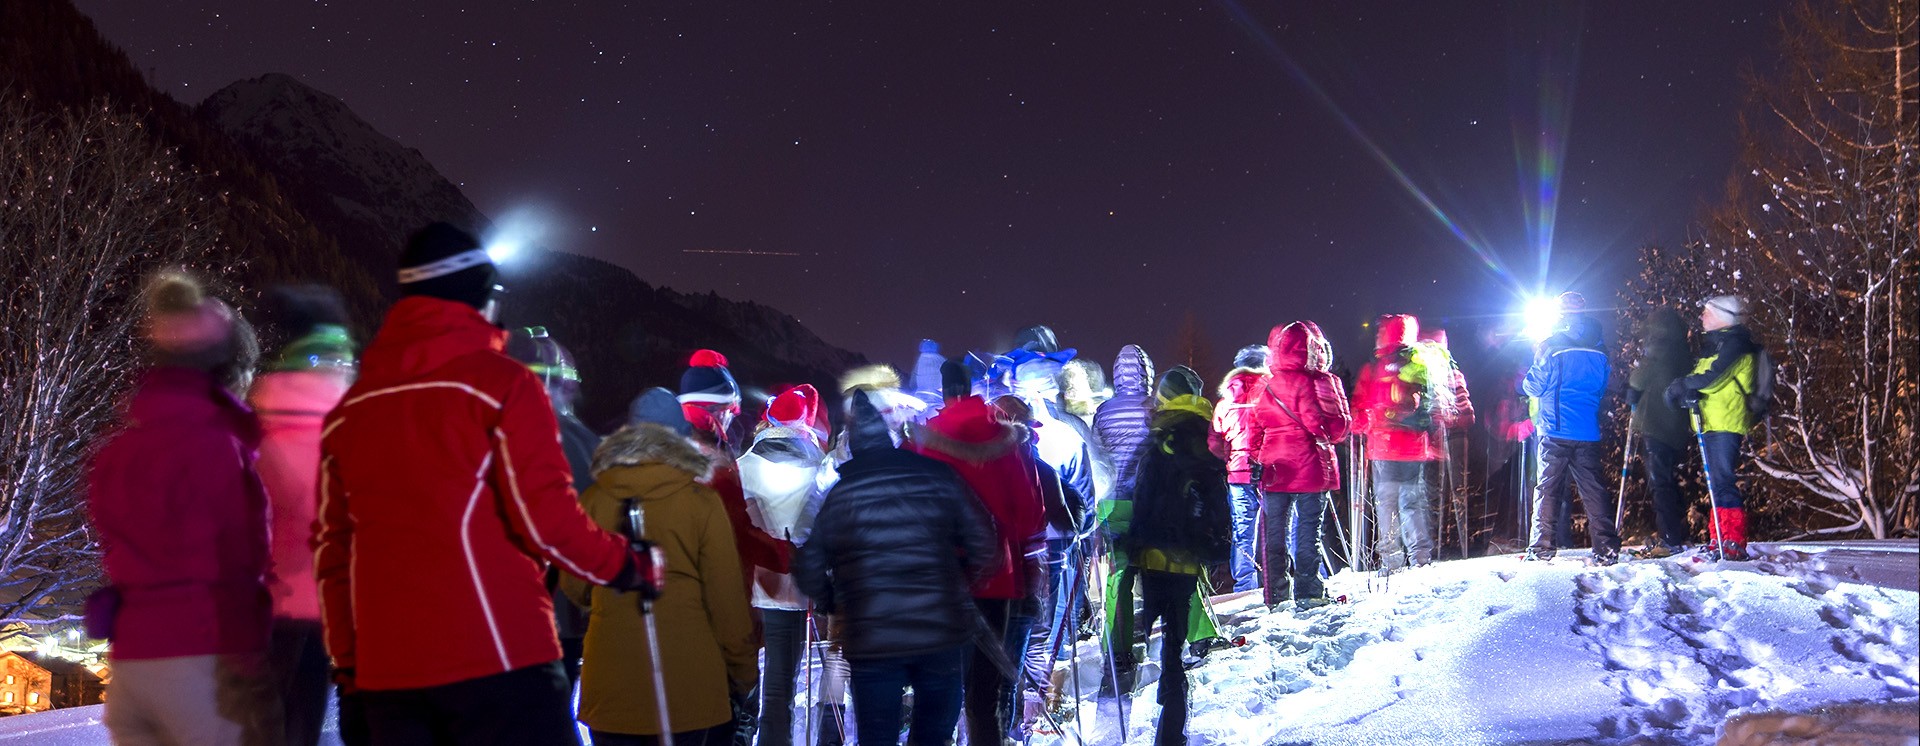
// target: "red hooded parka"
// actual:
[[1299, 412]]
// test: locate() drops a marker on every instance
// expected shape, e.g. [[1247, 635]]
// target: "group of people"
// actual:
[[425, 528]]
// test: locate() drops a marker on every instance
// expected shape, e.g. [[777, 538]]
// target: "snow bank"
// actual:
[[1493, 650]]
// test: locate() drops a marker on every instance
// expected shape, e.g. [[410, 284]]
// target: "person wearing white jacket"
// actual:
[[785, 474]]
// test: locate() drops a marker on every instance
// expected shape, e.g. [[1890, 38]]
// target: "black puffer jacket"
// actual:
[[896, 548]]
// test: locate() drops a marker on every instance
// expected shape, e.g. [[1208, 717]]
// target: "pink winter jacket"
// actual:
[[182, 521], [1299, 414], [292, 405]]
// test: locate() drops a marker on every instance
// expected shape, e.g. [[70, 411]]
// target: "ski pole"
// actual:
[[1626, 460], [806, 677], [1706, 470], [636, 531]]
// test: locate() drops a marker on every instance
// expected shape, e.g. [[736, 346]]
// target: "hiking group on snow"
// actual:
[[425, 531]]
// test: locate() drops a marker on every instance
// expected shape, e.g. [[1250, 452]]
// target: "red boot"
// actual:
[[1733, 533]]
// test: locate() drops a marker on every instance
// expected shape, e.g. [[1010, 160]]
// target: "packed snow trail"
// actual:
[[1494, 650]]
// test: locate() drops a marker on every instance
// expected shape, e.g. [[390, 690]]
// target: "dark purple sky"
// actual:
[[959, 171]]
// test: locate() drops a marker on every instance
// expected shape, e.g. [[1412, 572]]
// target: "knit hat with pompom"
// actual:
[[186, 327]]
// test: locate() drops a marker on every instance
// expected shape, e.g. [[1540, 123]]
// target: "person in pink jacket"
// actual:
[[1298, 414], [310, 365], [182, 521]]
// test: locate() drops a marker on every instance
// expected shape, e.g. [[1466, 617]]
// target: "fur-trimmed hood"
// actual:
[[646, 443], [969, 430], [1240, 384]]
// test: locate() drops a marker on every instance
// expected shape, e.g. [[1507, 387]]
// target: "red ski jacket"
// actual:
[[443, 494], [1233, 421], [1299, 412], [1383, 400], [994, 460]]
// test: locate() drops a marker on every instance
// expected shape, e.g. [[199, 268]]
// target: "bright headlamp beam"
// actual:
[[1540, 318]]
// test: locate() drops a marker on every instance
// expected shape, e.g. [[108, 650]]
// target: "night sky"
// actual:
[[957, 172]]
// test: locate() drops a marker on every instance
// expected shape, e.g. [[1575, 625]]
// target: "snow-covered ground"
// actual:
[[1494, 650]]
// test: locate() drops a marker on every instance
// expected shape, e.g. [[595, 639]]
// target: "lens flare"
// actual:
[[1540, 318]]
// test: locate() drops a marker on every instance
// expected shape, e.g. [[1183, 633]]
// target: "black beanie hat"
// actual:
[[956, 379], [444, 262]]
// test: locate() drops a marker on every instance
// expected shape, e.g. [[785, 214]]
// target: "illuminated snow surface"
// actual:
[[1495, 650]]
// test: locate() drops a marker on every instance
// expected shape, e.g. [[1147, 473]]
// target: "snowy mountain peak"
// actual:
[[370, 178]]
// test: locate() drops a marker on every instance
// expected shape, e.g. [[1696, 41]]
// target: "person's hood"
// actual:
[[874, 376], [1132, 372], [1582, 331], [1300, 346], [659, 406], [1665, 336], [648, 443], [1180, 381], [1397, 330], [1239, 385], [969, 431], [1038, 338], [1181, 405], [867, 428], [422, 334], [287, 398]]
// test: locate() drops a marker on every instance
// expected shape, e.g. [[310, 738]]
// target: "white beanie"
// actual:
[[1729, 309]]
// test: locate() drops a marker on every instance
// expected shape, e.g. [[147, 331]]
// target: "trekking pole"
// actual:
[[636, 530], [806, 677], [1706, 470], [1626, 461], [839, 716]]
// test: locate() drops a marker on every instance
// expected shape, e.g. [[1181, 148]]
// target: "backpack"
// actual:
[[1760, 399], [1416, 397]]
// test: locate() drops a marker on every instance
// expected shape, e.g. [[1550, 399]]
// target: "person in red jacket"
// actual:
[[1394, 407], [1233, 440], [444, 493], [1299, 412], [309, 368], [182, 523], [994, 459], [710, 400]]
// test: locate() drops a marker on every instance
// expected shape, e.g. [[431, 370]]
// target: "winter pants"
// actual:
[[1570, 463], [1400, 511], [210, 700], [299, 671], [1669, 508], [1050, 637], [988, 707], [1722, 454], [524, 706], [786, 636], [935, 678], [719, 735], [1293, 545], [1245, 499], [1166, 597]]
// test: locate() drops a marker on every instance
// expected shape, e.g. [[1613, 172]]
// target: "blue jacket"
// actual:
[[1568, 377]]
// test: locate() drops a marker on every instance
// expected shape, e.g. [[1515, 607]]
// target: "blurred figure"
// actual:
[[1566, 381], [1122, 422], [993, 457], [1299, 413], [1394, 402], [1453, 417], [708, 651], [533, 347], [1182, 525], [709, 400], [926, 376], [897, 408], [1232, 440], [893, 554], [310, 365], [1718, 391], [786, 474], [1663, 428], [182, 522], [443, 486], [1083, 386]]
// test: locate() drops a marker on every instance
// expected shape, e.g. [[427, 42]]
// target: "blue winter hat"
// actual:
[[929, 347], [660, 407], [1031, 365]]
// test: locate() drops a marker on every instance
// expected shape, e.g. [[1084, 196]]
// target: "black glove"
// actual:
[[644, 572], [1254, 470], [1679, 396]]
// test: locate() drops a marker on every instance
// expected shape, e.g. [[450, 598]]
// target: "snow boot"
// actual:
[[1312, 602], [1538, 556], [1732, 541]]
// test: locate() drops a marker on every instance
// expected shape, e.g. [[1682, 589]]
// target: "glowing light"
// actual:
[[1540, 318], [502, 251], [520, 229]]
